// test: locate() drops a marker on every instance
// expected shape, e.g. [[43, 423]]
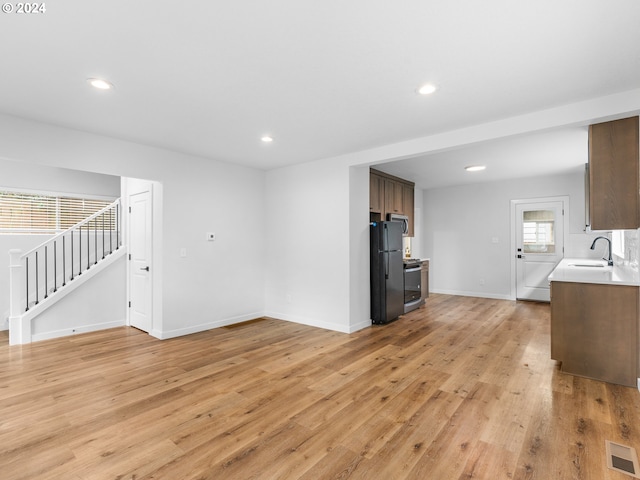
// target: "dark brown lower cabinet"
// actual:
[[594, 331], [424, 280]]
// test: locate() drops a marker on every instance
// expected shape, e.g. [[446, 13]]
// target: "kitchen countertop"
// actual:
[[569, 270]]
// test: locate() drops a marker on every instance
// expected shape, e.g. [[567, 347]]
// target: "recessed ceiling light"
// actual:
[[100, 84], [266, 139], [427, 89], [475, 168]]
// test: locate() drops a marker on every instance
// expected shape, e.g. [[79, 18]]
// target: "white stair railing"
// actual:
[[43, 270]]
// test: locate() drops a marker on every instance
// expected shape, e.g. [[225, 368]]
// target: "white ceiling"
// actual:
[[324, 78], [546, 153]]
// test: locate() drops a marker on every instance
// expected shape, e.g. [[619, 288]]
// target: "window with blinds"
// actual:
[[538, 231], [35, 213]]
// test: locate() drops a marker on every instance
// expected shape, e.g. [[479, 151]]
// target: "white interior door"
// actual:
[[140, 246], [539, 247]]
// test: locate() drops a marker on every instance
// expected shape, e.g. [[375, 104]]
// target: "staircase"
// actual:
[[47, 273]]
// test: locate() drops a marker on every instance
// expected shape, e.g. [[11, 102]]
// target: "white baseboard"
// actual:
[[65, 332], [311, 322], [179, 332], [472, 294], [164, 335], [360, 326]]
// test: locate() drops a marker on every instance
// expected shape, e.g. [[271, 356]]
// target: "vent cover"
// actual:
[[622, 459]]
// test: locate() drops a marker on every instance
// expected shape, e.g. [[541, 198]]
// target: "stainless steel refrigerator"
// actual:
[[387, 276]]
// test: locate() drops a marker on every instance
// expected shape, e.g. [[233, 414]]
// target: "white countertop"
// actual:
[[569, 270]]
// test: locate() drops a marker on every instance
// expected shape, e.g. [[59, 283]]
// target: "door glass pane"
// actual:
[[538, 231]]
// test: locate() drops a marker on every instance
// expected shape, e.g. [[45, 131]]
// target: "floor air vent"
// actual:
[[622, 458]]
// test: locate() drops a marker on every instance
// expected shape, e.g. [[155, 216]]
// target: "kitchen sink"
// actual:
[[588, 264]]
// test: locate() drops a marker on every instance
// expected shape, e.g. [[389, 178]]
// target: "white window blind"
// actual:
[[35, 213]]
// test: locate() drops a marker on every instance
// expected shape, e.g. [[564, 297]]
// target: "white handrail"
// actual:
[[74, 227]]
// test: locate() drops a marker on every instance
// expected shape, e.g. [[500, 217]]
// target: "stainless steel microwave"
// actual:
[[394, 217]]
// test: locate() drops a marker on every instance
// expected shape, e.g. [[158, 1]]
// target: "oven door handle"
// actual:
[[413, 269]]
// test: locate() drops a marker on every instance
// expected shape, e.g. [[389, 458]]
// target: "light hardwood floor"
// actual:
[[463, 388]]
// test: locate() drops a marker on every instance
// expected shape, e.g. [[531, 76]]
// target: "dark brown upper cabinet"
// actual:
[[389, 194], [614, 175], [376, 194]]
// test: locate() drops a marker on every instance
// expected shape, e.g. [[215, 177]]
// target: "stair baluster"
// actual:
[[109, 217]]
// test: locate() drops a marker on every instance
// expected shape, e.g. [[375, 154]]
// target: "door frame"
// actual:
[[131, 186], [512, 222]]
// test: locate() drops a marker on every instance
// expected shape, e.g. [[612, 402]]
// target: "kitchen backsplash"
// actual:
[[579, 244], [406, 247], [631, 247]]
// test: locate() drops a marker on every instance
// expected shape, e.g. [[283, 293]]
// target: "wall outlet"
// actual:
[[288, 298], [481, 281], [211, 237]]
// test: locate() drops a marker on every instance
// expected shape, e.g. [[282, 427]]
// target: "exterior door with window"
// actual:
[[539, 247]]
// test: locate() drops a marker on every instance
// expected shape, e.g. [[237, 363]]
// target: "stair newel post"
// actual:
[[17, 280], [19, 331]]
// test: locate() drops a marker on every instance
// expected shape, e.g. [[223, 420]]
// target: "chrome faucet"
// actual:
[[593, 246]]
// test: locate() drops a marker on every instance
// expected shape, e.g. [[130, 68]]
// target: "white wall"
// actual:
[[460, 223], [359, 255], [19, 176], [23, 177], [95, 305], [218, 282], [307, 240]]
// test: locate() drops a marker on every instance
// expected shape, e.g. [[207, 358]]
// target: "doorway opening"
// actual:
[[142, 205]]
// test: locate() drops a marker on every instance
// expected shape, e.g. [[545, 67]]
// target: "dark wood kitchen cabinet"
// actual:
[[594, 331], [376, 193], [393, 196], [424, 280], [408, 205], [389, 194], [614, 175]]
